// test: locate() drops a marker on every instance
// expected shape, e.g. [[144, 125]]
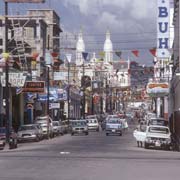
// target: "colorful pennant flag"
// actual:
[[102, 53], [153, 52], [118, 53], [136, 53], [85, 55], [99, 60]]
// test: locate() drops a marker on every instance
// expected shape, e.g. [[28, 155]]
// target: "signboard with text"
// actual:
[[34, 86], [15, 79], [163, 28], [157, 89]]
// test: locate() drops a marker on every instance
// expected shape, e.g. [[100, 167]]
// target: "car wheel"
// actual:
[[120, 134], [62, 134], [86, 133], [107, 134], [146, 146], [37, 139], [72, 134]]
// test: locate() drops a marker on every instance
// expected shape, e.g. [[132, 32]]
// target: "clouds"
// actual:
[[128, 21]]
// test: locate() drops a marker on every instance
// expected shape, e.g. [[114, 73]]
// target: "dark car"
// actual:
[[12, 138]]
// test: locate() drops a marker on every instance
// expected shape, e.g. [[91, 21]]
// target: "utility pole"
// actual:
[[68, 93], [92, 99], [84, 96], [68, 57], [7, 74]]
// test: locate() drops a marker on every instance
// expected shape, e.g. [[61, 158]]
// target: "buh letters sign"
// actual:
[[163, 28]]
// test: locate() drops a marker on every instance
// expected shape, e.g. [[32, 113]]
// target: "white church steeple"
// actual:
[[108, 48], [80, 47]]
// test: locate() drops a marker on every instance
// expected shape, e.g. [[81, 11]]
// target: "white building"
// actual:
[[108, 48], [80, 47]]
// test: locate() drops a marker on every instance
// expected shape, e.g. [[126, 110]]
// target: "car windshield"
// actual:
[[113, 121], [78, 123], [55, 124], [23, 128], [90, 117], [92, 121], [159, 130], [157, 122]]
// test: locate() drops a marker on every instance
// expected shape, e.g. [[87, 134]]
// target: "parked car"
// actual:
[[29, 132], [46, 124], [78, 127], [57, 129], [92, 124], [158, 136], [153, 136], [12, 138], [113, 126]]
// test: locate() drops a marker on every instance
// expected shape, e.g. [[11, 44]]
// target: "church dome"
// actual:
[[108, 43], [80, 47]]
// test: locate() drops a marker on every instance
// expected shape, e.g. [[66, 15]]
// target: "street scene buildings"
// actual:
[[49, 88]]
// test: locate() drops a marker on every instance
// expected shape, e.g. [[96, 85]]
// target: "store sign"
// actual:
[[60, 76], [54, 105], [15, 79], [25, 1], [158, 89], [34, 86], [163, 16]]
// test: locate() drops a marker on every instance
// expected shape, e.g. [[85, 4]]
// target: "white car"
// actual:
[[93, 124], [158, 136], [153, 136], [29, 132], [46, 124], [57, 129]]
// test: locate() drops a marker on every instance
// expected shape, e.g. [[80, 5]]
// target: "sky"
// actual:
[[132, 24]]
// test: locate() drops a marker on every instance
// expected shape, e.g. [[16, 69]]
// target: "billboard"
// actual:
[[157, 89], [25, 1], [163, 27]]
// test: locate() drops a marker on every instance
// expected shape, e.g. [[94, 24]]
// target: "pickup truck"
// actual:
[[153, 136]]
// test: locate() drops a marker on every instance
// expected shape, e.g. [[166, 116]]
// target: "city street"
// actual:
[[92, 157]]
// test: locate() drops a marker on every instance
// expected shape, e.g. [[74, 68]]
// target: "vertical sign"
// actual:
[[163, 28]]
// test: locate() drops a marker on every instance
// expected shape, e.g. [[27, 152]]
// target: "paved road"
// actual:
[[93, 157]]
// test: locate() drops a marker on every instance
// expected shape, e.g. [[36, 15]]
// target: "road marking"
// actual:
[[64, 152]]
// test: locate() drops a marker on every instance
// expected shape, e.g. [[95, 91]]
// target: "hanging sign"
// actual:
[[15, 79], [163, 28], [34, 86]]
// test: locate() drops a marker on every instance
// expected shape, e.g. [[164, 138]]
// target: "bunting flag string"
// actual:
[[118, 53], [102, 54], [136, 53], [153, 52], [85, 55]]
